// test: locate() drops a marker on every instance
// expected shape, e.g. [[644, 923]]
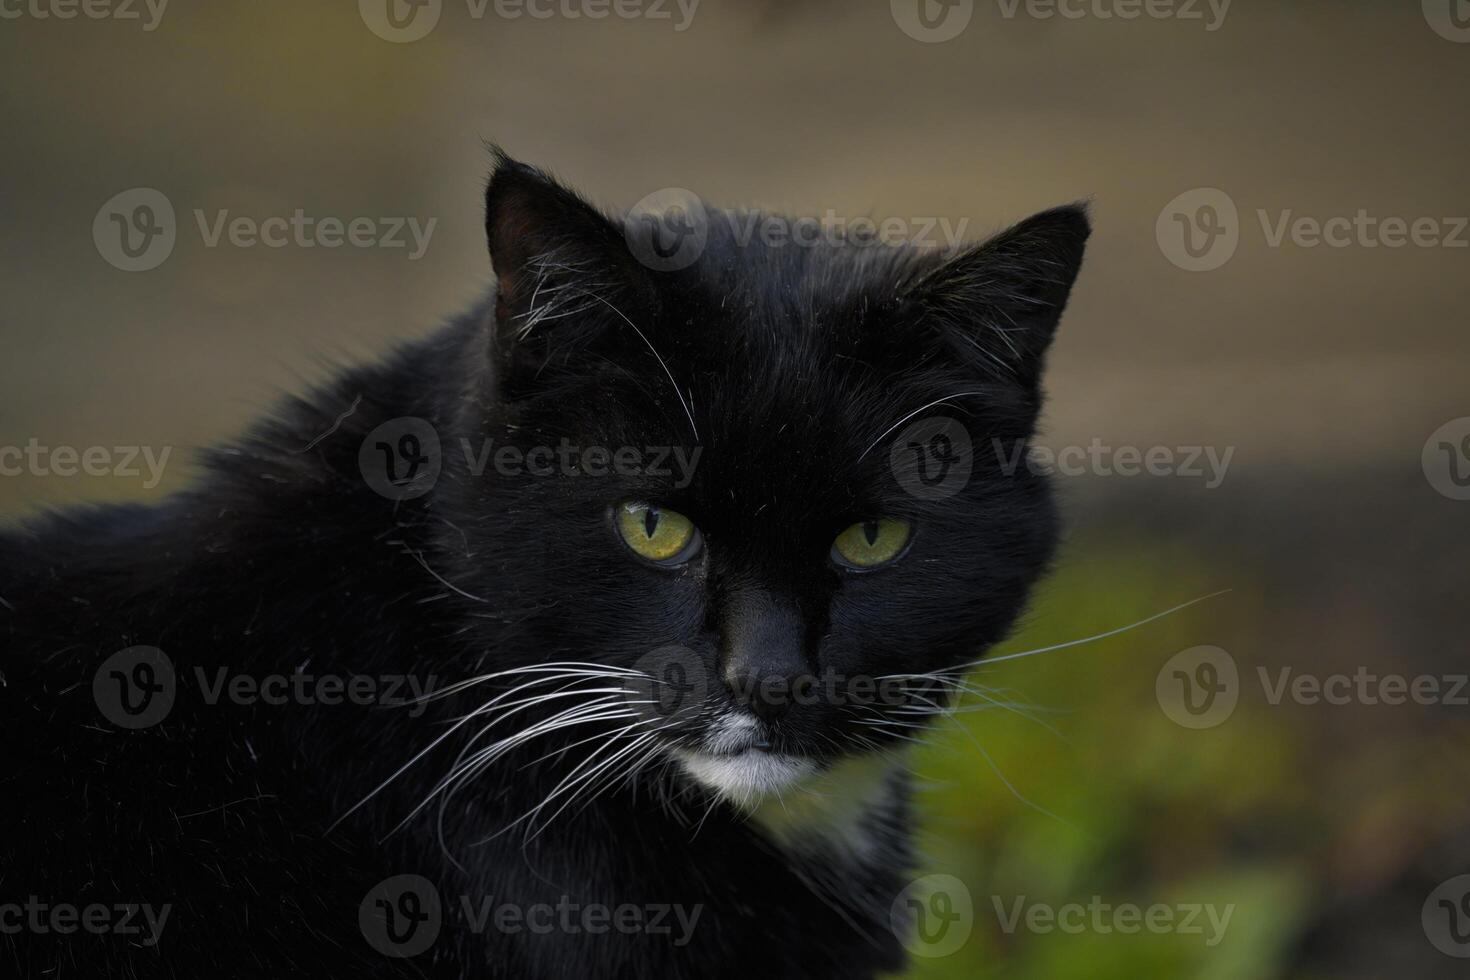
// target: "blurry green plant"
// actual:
[[1077, 788]]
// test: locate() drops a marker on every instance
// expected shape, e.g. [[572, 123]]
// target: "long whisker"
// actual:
[[461, 722], [677, 393], [984, 661], [924, 408]]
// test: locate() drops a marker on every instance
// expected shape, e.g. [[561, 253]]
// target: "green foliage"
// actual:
[[1064, 782]]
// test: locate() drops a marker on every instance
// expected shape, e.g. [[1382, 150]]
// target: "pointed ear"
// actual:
[[545, 238], [997, 304]]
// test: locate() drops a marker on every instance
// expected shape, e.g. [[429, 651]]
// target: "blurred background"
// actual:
[[1304, 396]]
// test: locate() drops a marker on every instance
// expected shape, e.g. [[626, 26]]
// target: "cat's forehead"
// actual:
[[789, 422], [776, 266]]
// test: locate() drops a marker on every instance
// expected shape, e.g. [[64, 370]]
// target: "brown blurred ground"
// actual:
[[1321, 358]]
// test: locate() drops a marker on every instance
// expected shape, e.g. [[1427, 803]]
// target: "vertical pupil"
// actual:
[[650, 521], [870, 531]]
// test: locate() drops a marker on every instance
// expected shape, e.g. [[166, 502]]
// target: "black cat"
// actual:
[[582, 639]]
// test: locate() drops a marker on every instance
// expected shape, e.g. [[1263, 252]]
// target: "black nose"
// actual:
[[764, 651]]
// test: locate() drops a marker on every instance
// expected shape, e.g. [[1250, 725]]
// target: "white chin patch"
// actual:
[[747, 777]]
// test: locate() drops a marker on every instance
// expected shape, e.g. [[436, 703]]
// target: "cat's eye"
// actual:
[[869, 544], [656, 534]]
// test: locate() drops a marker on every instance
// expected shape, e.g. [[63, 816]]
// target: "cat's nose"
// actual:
[[763, 642]]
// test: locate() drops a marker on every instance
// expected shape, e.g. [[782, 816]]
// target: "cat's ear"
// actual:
[[546, 241], [997, 304]]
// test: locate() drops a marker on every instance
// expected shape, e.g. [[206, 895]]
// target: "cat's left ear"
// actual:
[[541, 232], [997, 304], [563, 270]]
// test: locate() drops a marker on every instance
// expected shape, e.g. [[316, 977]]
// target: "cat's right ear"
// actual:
[[551, 250], [997, 304]]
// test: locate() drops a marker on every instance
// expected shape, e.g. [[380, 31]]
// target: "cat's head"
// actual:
[[771, 487]]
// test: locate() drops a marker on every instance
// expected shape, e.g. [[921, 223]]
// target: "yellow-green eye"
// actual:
[[869, 544], [656, 533]]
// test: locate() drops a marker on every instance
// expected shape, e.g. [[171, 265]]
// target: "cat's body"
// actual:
[[286, 561]]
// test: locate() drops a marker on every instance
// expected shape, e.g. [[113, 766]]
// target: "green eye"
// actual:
[[869, 544], [658, 534]]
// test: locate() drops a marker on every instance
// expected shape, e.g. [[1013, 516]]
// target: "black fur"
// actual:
[[793, 363]]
